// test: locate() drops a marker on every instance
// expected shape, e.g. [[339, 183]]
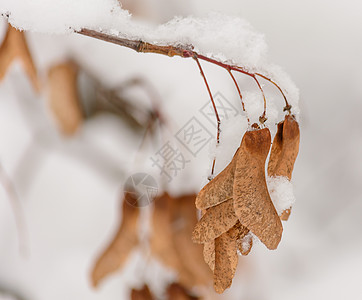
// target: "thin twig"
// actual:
[[184, 52], [287, 105], [240, 95], [262, 118], [215, 110]]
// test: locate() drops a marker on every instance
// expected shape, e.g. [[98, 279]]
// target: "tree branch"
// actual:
[[184, 52]]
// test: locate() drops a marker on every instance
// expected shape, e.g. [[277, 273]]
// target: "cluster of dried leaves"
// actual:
[[14, 47], [71, 106], [237, 201], [173, 220], [174, 291], [234, 204]]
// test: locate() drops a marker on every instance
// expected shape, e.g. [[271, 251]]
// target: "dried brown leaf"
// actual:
[[14, 46], [177, 292], [142, 294], [209, 254], [252, 202], [226, 261], [219, 189], [285, 214], [123, 243], [238, 231], [284, 152], [285, 148], [64, 98], [190, 254], [214, 222], [162, 239]]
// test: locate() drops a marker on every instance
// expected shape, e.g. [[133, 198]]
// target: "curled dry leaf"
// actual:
[[63, 96], [177, 292], [14, 46], [252, 202], [285, 148], [234, 204], [238, 231], [284, 152], [172, 223], [191, 255], [226, 261], [209, 254], [162, 245], [123, 243], [214, 222], [224, 258], [142, 294], [218, 190], [285, 214]]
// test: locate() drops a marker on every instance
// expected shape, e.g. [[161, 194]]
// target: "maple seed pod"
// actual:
[[14, 46], [219, 189], [190, 254], [252, 202], [209, 254], [177, 292], [238, 231], [161, 243], [64, 99], [142, 294], [214, 222], [285, 148], [285, 214], [172, 244], [284, 152], [226, 261], [125, 240]]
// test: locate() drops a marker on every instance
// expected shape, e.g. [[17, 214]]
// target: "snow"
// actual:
[[320, 251], [64, 15], [245, 242], [281, 193], [225, 38]]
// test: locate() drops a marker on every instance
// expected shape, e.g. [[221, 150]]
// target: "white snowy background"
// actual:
[[70, 188]]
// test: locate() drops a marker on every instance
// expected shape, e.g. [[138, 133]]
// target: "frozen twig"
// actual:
[[185, 52]]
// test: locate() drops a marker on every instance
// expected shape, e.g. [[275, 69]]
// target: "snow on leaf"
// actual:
[[252, 202], [285, 148], [283, 154], [226, 261]]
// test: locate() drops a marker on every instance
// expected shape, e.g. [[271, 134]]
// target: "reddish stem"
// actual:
[[214, 106], [184, 52], [262, 118], [287, 105], [240, 95]]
